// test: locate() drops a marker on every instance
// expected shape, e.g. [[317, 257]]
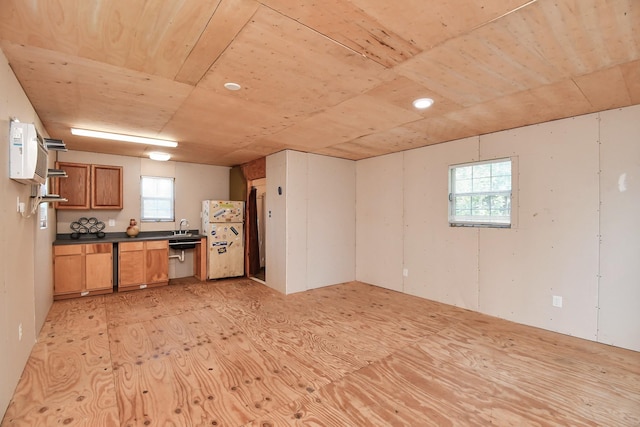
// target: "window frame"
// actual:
[[512, 194], [143, 198]]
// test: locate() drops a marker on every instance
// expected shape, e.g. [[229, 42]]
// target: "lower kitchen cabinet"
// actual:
[[143, 264], [157, 262], [83, 269], [130, 265]]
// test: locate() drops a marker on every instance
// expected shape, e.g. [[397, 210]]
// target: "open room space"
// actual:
[[236, 353], [347, 213]]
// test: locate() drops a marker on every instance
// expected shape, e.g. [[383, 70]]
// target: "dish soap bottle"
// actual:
[[132, 229]]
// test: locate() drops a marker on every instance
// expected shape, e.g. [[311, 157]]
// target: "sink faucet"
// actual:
[[184, 223]]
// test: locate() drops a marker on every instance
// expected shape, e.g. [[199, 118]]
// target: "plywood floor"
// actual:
[[235, 353]]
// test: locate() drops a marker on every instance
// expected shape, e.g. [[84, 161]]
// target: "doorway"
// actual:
[[257, 240]]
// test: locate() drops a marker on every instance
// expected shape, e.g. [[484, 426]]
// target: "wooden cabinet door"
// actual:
[[68, 269], [131, 268], [106, 187], [68, 273], [75, 187], [157, 261], [131, 264], [99, 266]]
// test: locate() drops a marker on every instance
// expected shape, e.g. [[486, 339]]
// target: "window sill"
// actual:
[[478, 225]]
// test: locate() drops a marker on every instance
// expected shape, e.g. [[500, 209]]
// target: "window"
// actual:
[[156, 198], [480, 194]]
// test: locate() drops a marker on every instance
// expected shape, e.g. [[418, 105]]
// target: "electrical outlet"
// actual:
[[557, 301], [18, 205], [112, 223], [20, 332], [405, 272]]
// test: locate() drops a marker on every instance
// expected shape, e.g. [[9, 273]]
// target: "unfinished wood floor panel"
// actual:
[[68, 379], [236, 353]]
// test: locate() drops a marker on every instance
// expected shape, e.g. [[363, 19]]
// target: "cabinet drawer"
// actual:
[[131, 246], [99, 248], [67, 249], [158, 244]]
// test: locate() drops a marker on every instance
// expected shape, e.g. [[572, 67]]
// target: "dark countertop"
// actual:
[[65, 239]]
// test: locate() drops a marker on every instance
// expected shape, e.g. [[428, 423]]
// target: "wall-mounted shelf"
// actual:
[[56, 173], [55, 144], [49, 198]]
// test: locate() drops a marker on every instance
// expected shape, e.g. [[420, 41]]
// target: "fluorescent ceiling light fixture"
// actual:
[[423, 103], [232, 86], [157, 155], [125, 138]]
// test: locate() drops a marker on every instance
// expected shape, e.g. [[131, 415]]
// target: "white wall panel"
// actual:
[[296, 226], [379, 221], [331, 218], [553, 250], [276, 222], [619, 302], [18, 254], [442, 261]]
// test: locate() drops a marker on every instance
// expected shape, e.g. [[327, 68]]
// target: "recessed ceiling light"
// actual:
[[157, 155], [423, 103], [125, 138], [232, 86]]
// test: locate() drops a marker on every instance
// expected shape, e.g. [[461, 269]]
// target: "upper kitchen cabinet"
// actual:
[[89, 186], [75, 187], [106, 187]]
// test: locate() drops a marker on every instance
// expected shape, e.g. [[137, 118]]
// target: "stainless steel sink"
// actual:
[[179, 234], [183, 241]]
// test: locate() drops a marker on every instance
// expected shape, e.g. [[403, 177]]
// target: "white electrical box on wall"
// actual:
[[28, 155]]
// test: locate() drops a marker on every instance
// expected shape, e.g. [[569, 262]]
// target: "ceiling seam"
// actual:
[[223, 50], [194, 86], [196, 43], [502, 16], [364, 55]]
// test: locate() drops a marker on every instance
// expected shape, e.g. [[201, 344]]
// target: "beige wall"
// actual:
[[296, 230], [25, 250], [311, 226], [619, 290], [576, 233], [441, 262], [193, 184], [276, 206], [331, 221], [379, 221], [554, 248]]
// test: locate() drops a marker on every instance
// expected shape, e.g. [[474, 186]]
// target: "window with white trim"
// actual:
[[157, 198], [480, 194]]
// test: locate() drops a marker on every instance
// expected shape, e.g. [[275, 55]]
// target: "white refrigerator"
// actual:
[[223, 224]]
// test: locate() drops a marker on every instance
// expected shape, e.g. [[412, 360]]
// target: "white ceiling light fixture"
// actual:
[[423, 103], [125, 138], [232, 86], [159, 156]]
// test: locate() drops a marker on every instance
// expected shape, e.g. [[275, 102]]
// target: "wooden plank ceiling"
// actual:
[[335, 77]]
